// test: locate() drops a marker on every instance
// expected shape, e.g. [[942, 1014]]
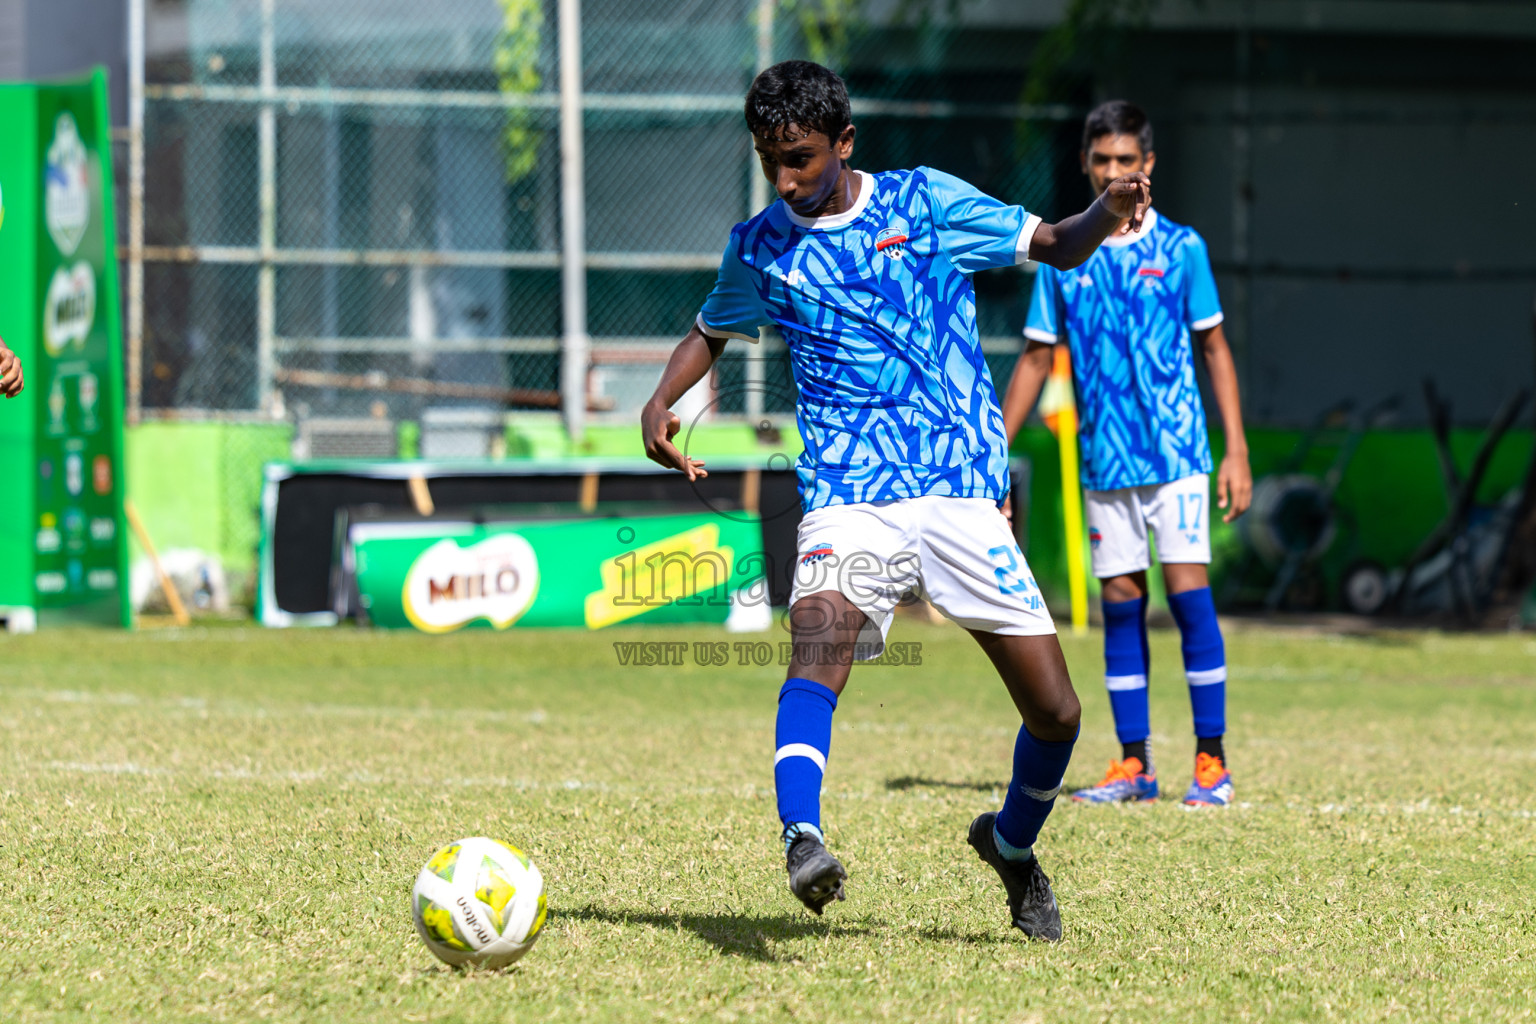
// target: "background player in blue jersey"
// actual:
[[1130, 314], [867, 276]]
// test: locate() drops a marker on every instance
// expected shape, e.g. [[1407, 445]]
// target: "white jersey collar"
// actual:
[[1147, 224], [837, 220]]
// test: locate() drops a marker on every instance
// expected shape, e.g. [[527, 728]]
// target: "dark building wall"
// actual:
[[61, 38], [1387, 240], [13, 26], [1352, 166]]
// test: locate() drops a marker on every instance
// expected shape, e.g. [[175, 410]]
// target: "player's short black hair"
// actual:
[[801, 93], [1118, 117]]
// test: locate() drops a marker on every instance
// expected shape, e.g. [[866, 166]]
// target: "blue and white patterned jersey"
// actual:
[[878, 311], [1128, 312]]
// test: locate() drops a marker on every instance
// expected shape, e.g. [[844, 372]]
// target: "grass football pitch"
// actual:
[[225, 824]]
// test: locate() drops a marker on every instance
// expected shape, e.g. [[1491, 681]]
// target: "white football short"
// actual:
[[958, 553], [1177, 513]]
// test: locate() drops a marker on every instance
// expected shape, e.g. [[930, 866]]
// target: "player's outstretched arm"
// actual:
[[1029, 375], [1234, 480], [690, 361], [11, 381], [1121, 206]]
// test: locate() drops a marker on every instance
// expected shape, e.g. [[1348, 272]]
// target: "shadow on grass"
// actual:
[[1388, 637], [993, 938], [906, 782], [468, 971], [735, 934]]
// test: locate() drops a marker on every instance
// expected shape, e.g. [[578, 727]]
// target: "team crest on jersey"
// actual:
[[1095, 538], [814, 556], [892, 242]]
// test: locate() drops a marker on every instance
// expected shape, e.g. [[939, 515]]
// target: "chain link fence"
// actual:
[[353, 207]]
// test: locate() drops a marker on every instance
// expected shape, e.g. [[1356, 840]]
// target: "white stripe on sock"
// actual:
[[1115, 683], [1040, 794], [1207, 676], [800, 750]]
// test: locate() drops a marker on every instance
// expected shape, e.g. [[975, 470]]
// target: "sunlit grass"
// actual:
[[225, 824]]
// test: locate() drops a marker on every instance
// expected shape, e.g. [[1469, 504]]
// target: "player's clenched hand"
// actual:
[[659, 426], [1129, 196], [1234, 486], [11, 381]]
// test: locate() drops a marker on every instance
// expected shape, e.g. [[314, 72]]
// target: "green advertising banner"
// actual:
[[19, 210], [439, 577], [73, 359]]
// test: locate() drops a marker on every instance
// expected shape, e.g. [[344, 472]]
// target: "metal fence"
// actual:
[[374, 208]]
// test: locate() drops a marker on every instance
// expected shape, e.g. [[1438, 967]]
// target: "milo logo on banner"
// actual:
[[70, 307], [448, 586], [67, 190]]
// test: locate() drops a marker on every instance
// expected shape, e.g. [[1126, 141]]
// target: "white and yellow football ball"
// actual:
[[479, 903]]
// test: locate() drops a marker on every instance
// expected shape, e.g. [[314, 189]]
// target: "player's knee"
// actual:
[[1118, 589], [1057, 721], [1070, 714]]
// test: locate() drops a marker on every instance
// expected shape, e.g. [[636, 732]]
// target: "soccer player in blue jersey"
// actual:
[[867, 276], [1134, 314]]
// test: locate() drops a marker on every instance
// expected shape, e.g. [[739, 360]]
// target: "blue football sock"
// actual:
[[1038, 768], [1205, 659], [1125, 670], [802, 740]]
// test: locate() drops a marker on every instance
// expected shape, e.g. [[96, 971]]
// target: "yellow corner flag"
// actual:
[[1058, 408]]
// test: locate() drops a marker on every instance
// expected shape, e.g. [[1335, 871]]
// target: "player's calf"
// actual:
[[1205, 665]]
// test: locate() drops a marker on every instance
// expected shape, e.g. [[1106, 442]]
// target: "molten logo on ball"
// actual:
[[479, 903]]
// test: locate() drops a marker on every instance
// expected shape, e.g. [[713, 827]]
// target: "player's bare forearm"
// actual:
[[1068, 242], [11, 380], [1029, 375], [1212, 344], [691, 360], [1234, 480]]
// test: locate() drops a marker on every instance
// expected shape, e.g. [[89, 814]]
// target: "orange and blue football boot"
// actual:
[[1213, 783], [1126, 782]]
